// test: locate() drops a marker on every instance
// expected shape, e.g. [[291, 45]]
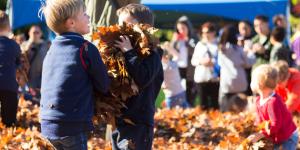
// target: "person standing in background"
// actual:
[[261, 41], [244, 40], [233, 60], [245, 33], [35, 48], [279, 51], [184, 41], [207, 71]]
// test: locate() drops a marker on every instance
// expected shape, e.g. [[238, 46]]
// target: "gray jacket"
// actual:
[[36, 57], [233, 61]]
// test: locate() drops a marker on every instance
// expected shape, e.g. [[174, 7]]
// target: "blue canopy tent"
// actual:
[[25, 12], [233, 9]]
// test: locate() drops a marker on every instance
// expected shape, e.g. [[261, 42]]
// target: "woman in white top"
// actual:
[[206, 72]]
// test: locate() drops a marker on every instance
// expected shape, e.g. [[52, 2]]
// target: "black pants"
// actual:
[[248, 74], [191, 92], [209, 94], [9, 105], [132, 137]]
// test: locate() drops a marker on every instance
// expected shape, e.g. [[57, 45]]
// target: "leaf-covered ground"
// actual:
[[175, 129]]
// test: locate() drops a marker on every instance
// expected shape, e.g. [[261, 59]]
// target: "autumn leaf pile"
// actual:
[[27, 133], [179, 129], [122, 85], [175, 129]]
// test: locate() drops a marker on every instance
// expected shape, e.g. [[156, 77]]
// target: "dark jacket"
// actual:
[[9, 60], [36, 55], [67, 87], [148, 75]]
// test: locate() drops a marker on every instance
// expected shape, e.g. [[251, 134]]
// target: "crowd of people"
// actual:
[[216, 64], [213, 64]]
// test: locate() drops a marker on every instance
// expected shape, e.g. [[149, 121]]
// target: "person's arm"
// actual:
[[143, 71], [196, 56], [293, 97], [170, 49], [275, 116], [248, 57], [97, 70], [199, 58]]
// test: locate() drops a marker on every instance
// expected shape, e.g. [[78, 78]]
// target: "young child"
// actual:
[[173, 90], [288, 86], [148, 75], [9, 60], [270, 108], [72, 70], [279, 50]]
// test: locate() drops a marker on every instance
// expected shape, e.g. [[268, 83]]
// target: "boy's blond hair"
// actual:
[[139, 12], [4, 20], [282, 68], [58, 11], [266, 75]]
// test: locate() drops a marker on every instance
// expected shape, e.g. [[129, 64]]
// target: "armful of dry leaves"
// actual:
[[122, 85]]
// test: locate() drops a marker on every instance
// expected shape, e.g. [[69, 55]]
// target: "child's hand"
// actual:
[[255, 137], [124, 44]]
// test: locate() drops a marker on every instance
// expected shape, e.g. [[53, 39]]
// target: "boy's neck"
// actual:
[[4, 33], [266, 93]]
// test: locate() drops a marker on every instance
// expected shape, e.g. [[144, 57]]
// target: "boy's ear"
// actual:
[[69, 23]]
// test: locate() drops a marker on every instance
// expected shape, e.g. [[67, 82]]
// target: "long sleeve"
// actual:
[[143, 71], [97, 70], [275, 116], [249, 58], [293, 98], [197, 55]]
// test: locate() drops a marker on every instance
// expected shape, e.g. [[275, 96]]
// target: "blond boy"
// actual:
[[271, 111], [72, 70]]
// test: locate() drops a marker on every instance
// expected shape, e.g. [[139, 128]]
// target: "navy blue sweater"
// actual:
[[67, 88], [9, 60], [148, 75]]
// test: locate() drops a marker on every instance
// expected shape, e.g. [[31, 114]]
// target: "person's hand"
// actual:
[[258, 48], [166, 46], [255, 137], [175, 36], [124, 44], [207, 62]]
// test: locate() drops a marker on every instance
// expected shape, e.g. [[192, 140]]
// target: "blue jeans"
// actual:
[[77, 142], [289, 144], [177, 100]]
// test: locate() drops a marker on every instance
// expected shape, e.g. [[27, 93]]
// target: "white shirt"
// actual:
[[201, 51], [182, 59]]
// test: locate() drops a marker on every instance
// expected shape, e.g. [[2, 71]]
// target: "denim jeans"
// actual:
[[289, 144], [177, 100], [77, 142]]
